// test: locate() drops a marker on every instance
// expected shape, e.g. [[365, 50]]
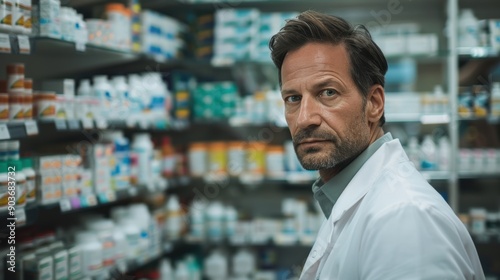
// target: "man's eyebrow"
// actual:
[[288, 91], [321, 84]]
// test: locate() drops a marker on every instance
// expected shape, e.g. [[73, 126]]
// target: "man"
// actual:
[[384, 220]]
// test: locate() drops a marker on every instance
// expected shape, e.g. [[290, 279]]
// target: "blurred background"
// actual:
[[148, 137]]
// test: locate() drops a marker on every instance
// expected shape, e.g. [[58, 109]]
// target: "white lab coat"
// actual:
[[389, 223]]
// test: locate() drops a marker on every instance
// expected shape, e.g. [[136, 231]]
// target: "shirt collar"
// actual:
[[328, 193]]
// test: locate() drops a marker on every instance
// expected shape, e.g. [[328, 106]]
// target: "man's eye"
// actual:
[[329, 92], [292, 98]]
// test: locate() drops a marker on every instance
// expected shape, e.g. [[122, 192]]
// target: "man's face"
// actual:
[[323, 107]]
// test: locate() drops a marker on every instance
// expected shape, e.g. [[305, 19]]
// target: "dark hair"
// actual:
[[368, 63]]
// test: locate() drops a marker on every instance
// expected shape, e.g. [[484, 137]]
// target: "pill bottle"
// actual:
[[30, 179], [91, 252], [20, 179], [15, 78], [4, 187], [478, 220], [215, 221], [4, 107], [236, 157], [28, 98], [142, 148], [6, 16], [16, 107], [275, 161], [13, 150], [217, 158], [17, 16], [26, 6], [197, 155], [256, 158], [45, 105]]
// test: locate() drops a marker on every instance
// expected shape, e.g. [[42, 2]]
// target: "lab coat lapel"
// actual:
[[362, 181]]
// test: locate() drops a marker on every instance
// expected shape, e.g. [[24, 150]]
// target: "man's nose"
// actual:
[[309, 113]]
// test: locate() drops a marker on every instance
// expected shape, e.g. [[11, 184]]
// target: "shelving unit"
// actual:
[[54, 58]]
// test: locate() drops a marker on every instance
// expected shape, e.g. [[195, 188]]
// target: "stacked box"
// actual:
[[269, 24], [160, 35], [214, 100], [49, 179], [235, 34]]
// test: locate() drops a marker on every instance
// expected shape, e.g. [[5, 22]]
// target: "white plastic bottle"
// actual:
[[243, 263], [216, 266], [468, 29], [68, 21], [197, 220], [142, 147], [215, 221], [84, 96], [166, 272], [104, 93], [444, 148], [120, 249], [231, 219], [429, 154], [122, 96], [140, 215], [91, 250], [132, 233], [104, 230], [495, 100], [173, 223], [193, 268], [181, 271], [413, 152]]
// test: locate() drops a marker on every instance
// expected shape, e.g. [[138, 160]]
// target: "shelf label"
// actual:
[[60, 124], [24, 44], [75, 203], [65, 204], [74, 124], [4, 132], [101, 123], [5, 44], [20, 216], [87, 123], [31, 128], [132, 191], [91, 200]]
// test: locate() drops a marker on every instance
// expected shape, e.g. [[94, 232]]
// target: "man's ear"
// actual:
[[375, 103]]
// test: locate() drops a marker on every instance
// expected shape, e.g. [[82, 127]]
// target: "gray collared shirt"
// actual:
[[327, 194]]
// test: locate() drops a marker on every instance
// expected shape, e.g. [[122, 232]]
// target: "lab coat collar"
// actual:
[[363, 180]]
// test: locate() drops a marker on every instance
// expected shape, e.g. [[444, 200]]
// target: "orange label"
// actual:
[[4, 114], [7, 20], [48, 111]]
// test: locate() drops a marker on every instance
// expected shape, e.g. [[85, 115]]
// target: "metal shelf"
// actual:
[[421, 118]]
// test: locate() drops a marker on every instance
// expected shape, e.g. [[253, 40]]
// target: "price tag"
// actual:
[[87, 123], [20, 216], [101, 123], [4, 132], [60, 124], [65, 204], [24, 44], [5, 44], [31, 128], [74, 124], [132, 191], [111, 196], [91, 200]]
